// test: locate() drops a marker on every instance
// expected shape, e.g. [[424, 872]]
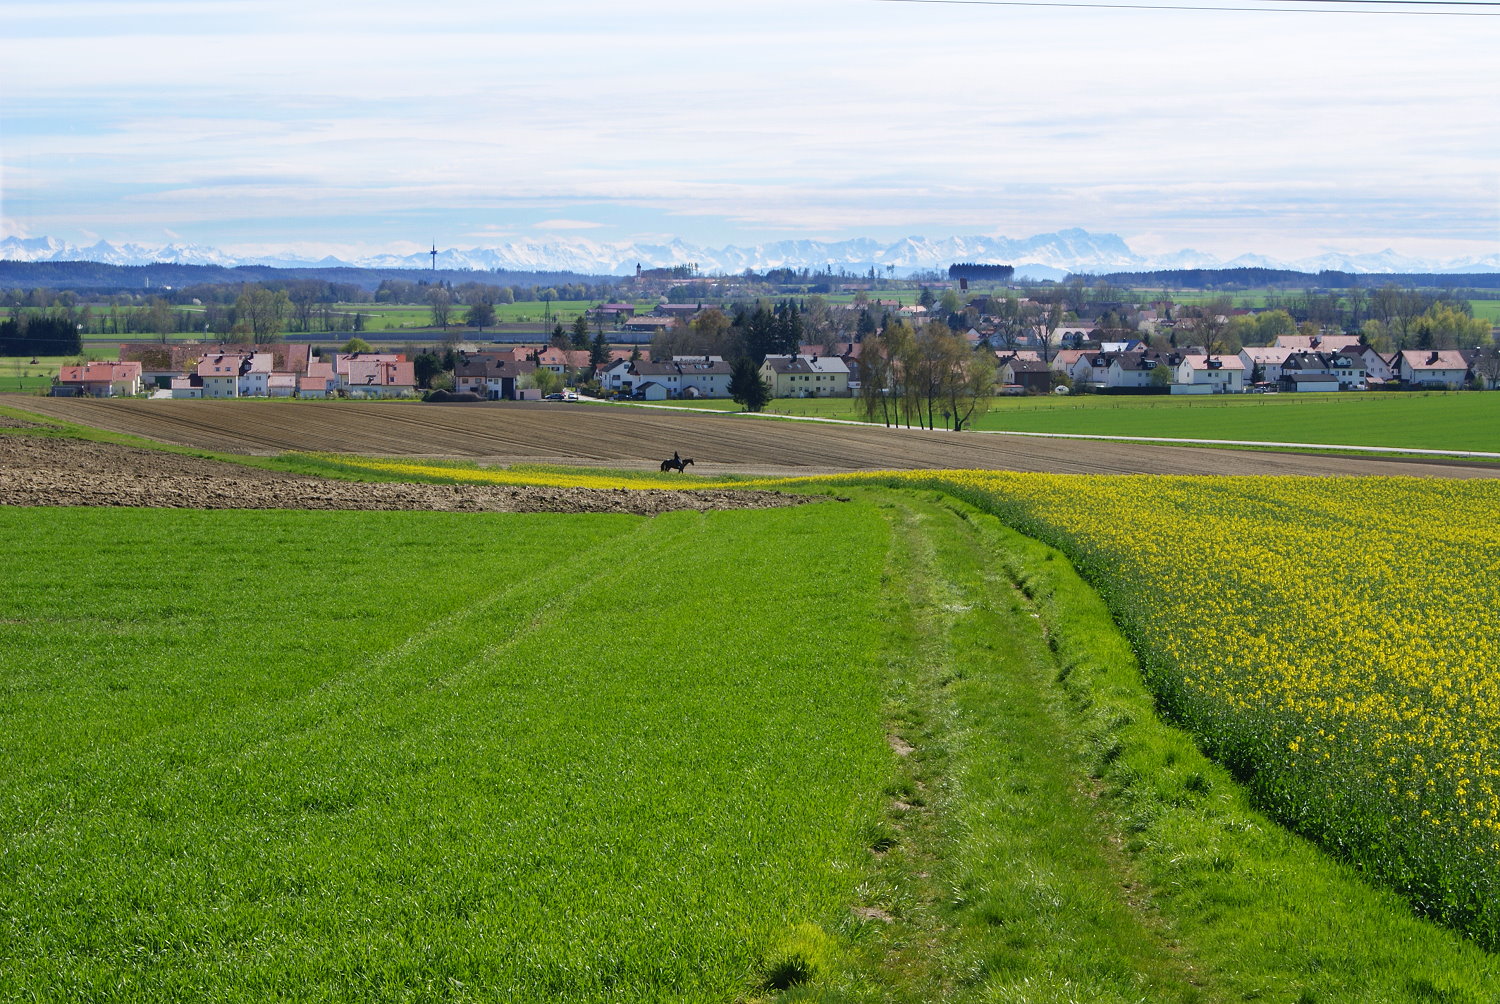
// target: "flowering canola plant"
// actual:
[[1334, 641]]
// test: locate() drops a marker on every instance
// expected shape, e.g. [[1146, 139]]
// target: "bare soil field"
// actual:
[[53, 471], [636, 438]]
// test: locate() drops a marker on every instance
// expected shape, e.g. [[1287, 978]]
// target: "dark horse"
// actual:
[[676, 464]]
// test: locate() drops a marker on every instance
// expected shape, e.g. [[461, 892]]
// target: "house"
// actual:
[[614, 376], [1268, 359], [1319, 343], [1347, 369], [653, 391], [313, 387], [100, 379], [1076, 364], [1205, 374], [560, 361], [282, 385], [1378, 368], [683, 377], [220, 374], [494, 376], [806, 376], [1073, 335], [380, 378], [319, 374], [187, 387], [1432, 368], [686, 311], [255, 375], [612, 311], [161, 362], [704, 376], [650, 324], [1126, 370], [1032, 375]]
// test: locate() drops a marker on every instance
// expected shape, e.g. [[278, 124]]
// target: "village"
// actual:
[[1143, 352]]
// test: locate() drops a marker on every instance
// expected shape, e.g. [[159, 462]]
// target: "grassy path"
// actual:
[[1051, 839], [1002, 881]]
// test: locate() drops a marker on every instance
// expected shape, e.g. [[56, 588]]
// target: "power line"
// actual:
[[1240, 10]]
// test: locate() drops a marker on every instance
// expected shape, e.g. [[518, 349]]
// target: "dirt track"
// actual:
[[636, 438], [51, 471]]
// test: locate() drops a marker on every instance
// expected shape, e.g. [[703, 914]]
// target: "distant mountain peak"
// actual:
[[1049, 256]]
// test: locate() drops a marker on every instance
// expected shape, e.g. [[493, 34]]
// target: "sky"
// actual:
[[264, 126]]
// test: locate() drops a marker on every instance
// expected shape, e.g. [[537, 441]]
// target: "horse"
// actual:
[[675, 464]]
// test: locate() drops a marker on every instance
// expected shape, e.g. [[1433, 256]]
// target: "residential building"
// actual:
[[492, 375], [1269, 359], [100, 379], [806, 376], [1205, 374], [1437, 368]]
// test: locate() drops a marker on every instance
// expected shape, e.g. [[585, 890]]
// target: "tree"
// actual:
[[545, 380], [480, 315], [559, 338], [580, 336], [356, 345], [1047, 322], [1487, 366], [598, 351], [1209, 322], [39, 336], [969, 381], [161, 317], [425, 366], [440, 301], [747, 387], [262, 312]]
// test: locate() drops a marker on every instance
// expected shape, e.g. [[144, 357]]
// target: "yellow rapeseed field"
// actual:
[[1334, 641]]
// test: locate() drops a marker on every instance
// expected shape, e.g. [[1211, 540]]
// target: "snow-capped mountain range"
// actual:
[[1042, 256]]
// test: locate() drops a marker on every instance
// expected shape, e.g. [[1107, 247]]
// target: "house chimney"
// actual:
[[1432, 359]]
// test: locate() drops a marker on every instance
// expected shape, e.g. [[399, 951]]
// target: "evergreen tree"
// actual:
[[746, 386]]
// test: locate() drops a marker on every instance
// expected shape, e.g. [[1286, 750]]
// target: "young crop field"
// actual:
[[1421, 420], [551, 770]]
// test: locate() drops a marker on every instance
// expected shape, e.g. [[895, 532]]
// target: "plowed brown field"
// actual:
[[56, 471], [634, 438]]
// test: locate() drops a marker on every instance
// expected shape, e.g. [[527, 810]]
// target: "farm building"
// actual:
[[100, 380]]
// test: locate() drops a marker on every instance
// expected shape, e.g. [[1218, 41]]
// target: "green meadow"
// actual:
[[1419, 420], [385, 756]]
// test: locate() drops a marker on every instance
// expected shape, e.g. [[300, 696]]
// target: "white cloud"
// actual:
[[566, 225], [926, 118]]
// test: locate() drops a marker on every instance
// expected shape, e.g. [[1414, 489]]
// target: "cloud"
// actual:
[[567, 225], [921, 120]]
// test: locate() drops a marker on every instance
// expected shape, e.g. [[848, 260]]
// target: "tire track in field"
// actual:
[[296, 714]]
